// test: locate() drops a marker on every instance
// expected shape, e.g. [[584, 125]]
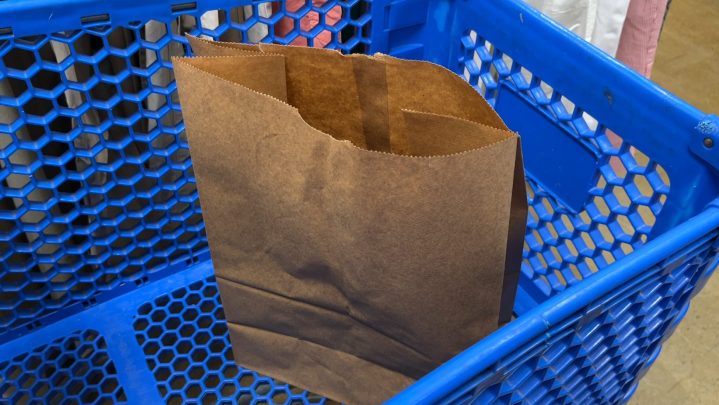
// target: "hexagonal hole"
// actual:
[[181, 364], [279, 397], [125, 109], [38, 107], [219, 329], [45, 80], [199, 355], [54, 51], [162, 374], [643, 186], [109, 369], [212, 381], [155, 101], [184, 346], [626, 248], [19, 59], [17, 181], [187, 329], [54, 149], [79, 72], [605, 233], [263, 388], [23, 157], [158, 316], [165, 355], [155, 31], [99, 359], [61, 124], [205, 322], [601, 206], [134, 83], [551, 231], [103, 91], [228, 389], [169, 339], [646, 215], [26, 381], [56, 398], [5, 139], [193, 299], [60, 379], [214, 362], [566, 226], [196, 372], [162, 77], [208, 291], [230, 370], [164, 300], [88, 44], [180, 156], [193, 391], [32, 362], [8, 115], [210, 20], [40, 389], [608, 257], [201, 338], [207, 306], [109, 385], [163, 141], [121, 38], [154, 332], [175, 307], [179, 293], [571, 249], [75, 387], [621, 195], [112, 65], [247, 380], [588, 242], [559, 277], [576, 274], [217, 345], [80, 369], [178, 382], [17, 86], [618, 167]]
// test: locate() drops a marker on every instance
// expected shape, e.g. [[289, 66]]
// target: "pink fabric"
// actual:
[[308, 22], [638, 46], [640, 35]]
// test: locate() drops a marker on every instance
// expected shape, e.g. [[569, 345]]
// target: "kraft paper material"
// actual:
[[365, 215]]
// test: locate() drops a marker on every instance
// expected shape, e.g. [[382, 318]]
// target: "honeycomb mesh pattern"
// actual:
[[599, 355], [562, 248], [186, 342], [96, 182], [70, 370]]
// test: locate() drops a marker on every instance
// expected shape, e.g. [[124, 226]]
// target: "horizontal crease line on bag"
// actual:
[[184, 61], [320, 307], [243, 325]]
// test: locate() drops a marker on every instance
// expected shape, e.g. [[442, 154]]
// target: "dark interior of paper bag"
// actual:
[[377, 103]]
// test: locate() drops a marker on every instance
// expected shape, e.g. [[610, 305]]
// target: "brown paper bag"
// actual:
[[365, 215]]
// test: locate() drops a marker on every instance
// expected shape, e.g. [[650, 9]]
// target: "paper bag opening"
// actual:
[[372, 102]]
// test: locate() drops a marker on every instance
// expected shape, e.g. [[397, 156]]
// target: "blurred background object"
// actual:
[[687, 371]]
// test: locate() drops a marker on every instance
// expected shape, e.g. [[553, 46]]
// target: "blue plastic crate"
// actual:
[[106, 289]]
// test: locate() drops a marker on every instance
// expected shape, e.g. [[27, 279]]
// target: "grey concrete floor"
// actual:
[[687, 64]]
